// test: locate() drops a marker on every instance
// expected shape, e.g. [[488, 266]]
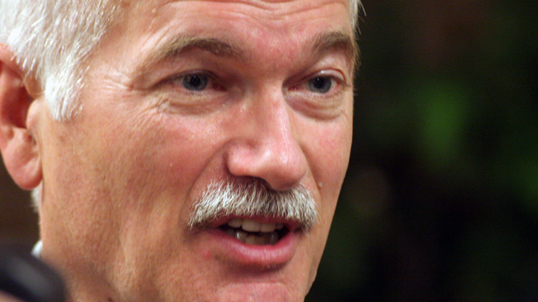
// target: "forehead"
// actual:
[[266, 32], [264, 4], [263, 11], [153, 21]]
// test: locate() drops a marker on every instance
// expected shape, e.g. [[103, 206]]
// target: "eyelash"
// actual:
[[212, 83], [337, 85], [299, 93], [300, 90]]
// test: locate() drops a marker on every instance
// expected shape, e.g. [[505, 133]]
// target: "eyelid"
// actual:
[[336, 75], [333, 74], [211, 77], [173, 81], [174, 97], [319, 105]]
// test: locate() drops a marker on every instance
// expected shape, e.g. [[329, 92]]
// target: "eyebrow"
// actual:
[[321, 44], [174, 48], [339, 41]]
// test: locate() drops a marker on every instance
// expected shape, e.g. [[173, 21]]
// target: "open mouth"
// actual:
[[253, 232]]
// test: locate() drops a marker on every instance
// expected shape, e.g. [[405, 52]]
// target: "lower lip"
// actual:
[[262, 256]]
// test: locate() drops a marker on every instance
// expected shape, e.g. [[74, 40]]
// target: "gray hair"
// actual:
[[253, 197], [51, 40]]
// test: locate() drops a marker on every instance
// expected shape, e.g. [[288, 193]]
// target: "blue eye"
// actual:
[[320, 84], [195, 82]]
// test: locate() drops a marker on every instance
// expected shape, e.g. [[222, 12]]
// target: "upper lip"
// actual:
[[266, 256]]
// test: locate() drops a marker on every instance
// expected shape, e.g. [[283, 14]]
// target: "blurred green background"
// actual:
[[441, 198]]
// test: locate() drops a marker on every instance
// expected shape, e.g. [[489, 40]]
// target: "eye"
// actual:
[[320, 84], [195, 82]]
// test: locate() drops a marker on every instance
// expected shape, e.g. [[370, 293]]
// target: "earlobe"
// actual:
[[17, 143]]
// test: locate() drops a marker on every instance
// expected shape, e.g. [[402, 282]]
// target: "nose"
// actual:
[[267, 146]]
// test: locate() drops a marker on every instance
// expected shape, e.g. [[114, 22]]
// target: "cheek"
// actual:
[[330, 150], [146, 150], [329, 157]]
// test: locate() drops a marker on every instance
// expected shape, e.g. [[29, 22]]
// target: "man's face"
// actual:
[[181, 95]]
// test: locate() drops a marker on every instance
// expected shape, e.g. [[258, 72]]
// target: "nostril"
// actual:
[[267, 147], [281, 169]]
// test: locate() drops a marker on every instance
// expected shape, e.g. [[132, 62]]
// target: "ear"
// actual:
[[17, 142]]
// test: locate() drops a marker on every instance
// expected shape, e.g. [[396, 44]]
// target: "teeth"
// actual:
[[265, 233], [254, 239], [251, 225], [254, 226], [235, 223], [251, 239], [241, 236], [273, 238], [268, 228]]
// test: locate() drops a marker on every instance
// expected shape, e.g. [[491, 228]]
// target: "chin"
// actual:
[[259, 292]]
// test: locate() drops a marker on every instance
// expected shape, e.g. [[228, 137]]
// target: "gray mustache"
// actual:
[[252, 197]]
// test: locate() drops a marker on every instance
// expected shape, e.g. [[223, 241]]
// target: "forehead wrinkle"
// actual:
[[216, 46], [321, 44], [175, 47]]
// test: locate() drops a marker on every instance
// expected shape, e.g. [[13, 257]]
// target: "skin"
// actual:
[[121, 178], [6, 298]]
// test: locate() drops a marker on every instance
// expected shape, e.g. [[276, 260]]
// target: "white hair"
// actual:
[[51, 40], [355, 8], [252, 197]]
